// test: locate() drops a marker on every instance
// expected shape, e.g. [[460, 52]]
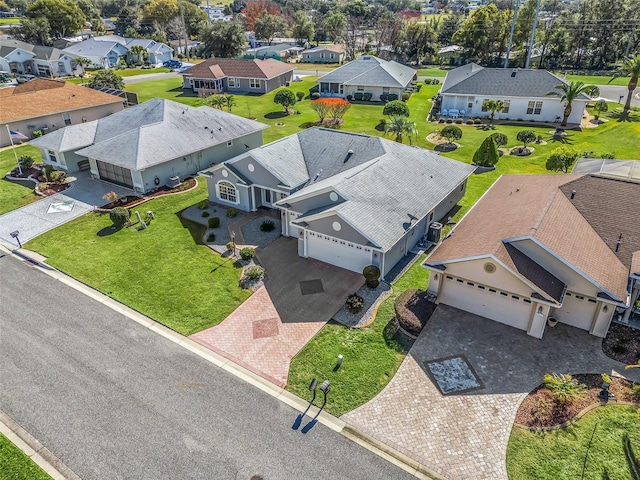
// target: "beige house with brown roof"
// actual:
[[47, 105], [534, 247], [238, 76]]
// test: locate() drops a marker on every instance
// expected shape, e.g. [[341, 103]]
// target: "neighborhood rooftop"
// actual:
[[472, 79], [231, 67], [45, 53], [43, 96], [154, 132], [371, 71]]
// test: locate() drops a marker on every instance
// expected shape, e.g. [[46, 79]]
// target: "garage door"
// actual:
[[115, 174], [347, 255], [577, 310], [485, 301]]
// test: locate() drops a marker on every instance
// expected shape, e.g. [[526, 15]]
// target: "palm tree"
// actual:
[[630, 68], [139, 53], [215, 101], [229, 101], [568, 92], [83, 63], [401, 126], [493, 106]]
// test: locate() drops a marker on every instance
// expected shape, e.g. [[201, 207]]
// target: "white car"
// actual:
[[24, 77]]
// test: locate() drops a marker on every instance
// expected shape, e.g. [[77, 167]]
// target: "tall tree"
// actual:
[[568, 92], [195, 19], [630, 68], [64, 17], [484, 33], [401, 126], [448, 27], [334, 25], [303, 29], [34, 30], [269, 26], [224, 39], [127, 19], [107, 78], [92, 12], [161, 12], [419, 40], [388, 31], [254, 9]]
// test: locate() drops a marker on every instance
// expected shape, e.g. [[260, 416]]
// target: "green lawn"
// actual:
[[131, 72], [594, 443], [10, 21], [160, 271], [15, 195], [595, 79], [15, 465], [432, 72], [370, 359]]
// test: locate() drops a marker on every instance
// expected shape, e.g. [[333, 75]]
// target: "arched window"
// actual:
[[227, 191]]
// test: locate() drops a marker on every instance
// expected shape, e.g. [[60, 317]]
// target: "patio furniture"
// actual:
[[444, 113], [454, 113], [463, 113]]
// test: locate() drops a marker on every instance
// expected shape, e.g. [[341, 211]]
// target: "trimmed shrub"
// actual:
[[418, 87], [477, 121], [202, 204], [299, 96], [396, 109], [427, 81], [392, 97], [451, 133], [314, 89], [211, 237], [315, 96], [371, 275], [354, 303], [231, 247], [442, 120], [57, 176], [405, 316], [214, 222], [526, 137], [384, 97], [469, 122], [231, 212], [37, 133], [459, 121], [205, 214], [500, 138], [119, 216], [247, 253], [267, 226], [349, 98], [436, 81], [367, 96], [26, 161], [254, 272], [449, 120], [358, 96], [487, 154], [564, 387]]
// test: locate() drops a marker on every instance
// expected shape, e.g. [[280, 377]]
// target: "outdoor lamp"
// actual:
[[325, 387]]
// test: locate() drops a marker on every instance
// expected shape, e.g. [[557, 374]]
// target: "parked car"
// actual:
[[172, 64], [24, 77]]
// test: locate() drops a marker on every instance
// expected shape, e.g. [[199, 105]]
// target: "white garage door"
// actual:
[[485, 301], [347, 255], [577, 310]]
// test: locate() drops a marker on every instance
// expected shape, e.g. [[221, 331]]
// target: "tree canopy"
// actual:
[[285, 97], [107, 78], [562, 159], [396, 108], [500, 138], [526, 137], [451, 133], [224, 39], [64, 17], [269, 26], [487, 154]]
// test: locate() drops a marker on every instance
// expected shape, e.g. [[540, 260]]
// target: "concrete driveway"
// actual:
[[50, 212], [465, 435]]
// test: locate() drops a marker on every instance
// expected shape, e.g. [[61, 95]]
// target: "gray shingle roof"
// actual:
[[160, 130], [42, 53], [472, 79], [69, 138], [91, 48], [371, 71]]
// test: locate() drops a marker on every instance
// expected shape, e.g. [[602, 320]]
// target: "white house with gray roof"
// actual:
[[24, 58], [144, 146], [466, 89], [367, 74], [351, 199]]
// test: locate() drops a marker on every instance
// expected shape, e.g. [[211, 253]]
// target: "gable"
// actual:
[[324, 198], [326, 224], [255, 172]]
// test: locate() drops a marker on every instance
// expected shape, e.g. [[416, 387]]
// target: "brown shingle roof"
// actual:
[[534, 206], [231, 67], [635, 263], [42, 96]]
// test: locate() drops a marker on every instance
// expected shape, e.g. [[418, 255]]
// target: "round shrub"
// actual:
[[247, 253], [406, 96], [469, 122], [299, 96], [231, 246], [315, 96], [202, 204], [449, 120], [407, 319], [441, 120], [231, 212], [459, 121], [57, 176], [119, 216], [371, 275], [349, 98], [205, 214], [500, 138], [477, 121], [267, 226], [254, 272], [211, 237], [26, 161], [214, 222], [354, 303]]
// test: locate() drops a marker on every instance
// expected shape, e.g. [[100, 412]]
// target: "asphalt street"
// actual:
[[114, 400]]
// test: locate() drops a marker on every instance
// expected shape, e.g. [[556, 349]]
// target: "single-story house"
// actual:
[[367, 74], [24, 58], [283, 50], [350, 199], [523, 91], [324, 54], [238, 76], [103, 54], [629, 169], [452, 53], [47, 105], [158, 52], [540, 247], [150, 144]]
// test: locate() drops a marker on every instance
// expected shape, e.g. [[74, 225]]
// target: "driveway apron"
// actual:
[[464, 435]]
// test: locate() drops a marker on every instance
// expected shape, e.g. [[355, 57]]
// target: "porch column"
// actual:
[[634, 298], [253, 198]]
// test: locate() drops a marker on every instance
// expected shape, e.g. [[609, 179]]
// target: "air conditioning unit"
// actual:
[[434, 232], [173, 182]]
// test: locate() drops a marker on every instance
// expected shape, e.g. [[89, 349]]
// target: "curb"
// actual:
[[31, 447], [328, 420]]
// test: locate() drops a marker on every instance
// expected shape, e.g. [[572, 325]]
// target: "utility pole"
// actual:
[[533, 35], [513, 29], [184, 30], [631, 37]]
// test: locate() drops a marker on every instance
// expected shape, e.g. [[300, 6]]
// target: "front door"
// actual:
[[267, 198]]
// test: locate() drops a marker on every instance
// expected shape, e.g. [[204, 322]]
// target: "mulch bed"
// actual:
[[132, 200], [25, 172], [622, 344], [47, 189], [413, 310], [541, 410]]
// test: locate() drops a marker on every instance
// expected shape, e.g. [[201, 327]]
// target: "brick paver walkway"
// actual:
[[255, 337], [465, 436]]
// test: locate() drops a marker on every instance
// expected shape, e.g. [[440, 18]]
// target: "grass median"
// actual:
[[15, 465], [13, 194]]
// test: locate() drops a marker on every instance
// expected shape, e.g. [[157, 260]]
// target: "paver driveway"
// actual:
[[465, 436]]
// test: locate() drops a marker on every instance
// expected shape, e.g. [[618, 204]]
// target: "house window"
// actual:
[[341, 89], [332, 56], [322, 55], [52, 156], [233, 82], [254, 83], [534, 108], [385, 89], [360, 88], [470, 105], [507, 104], [229, 143], [484, 105], [227, 191], [67, 118]]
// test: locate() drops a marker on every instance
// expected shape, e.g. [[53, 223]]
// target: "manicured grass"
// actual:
[[15, 465], [596, 79], [10, 21], [131, 72], [432, 72], [590, 449], [370, 359], [160, 271], [15, 195]]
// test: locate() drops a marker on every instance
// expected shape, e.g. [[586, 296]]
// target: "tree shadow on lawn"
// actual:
[[196, 230], [110, 230], [631, 117], [486, 127], [184, 93], [563, 139], [276, 115]]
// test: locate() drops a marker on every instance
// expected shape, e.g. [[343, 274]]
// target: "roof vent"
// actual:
[[349, 153], [513, 72], [618, 243], [317, 175], [573, 194]]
